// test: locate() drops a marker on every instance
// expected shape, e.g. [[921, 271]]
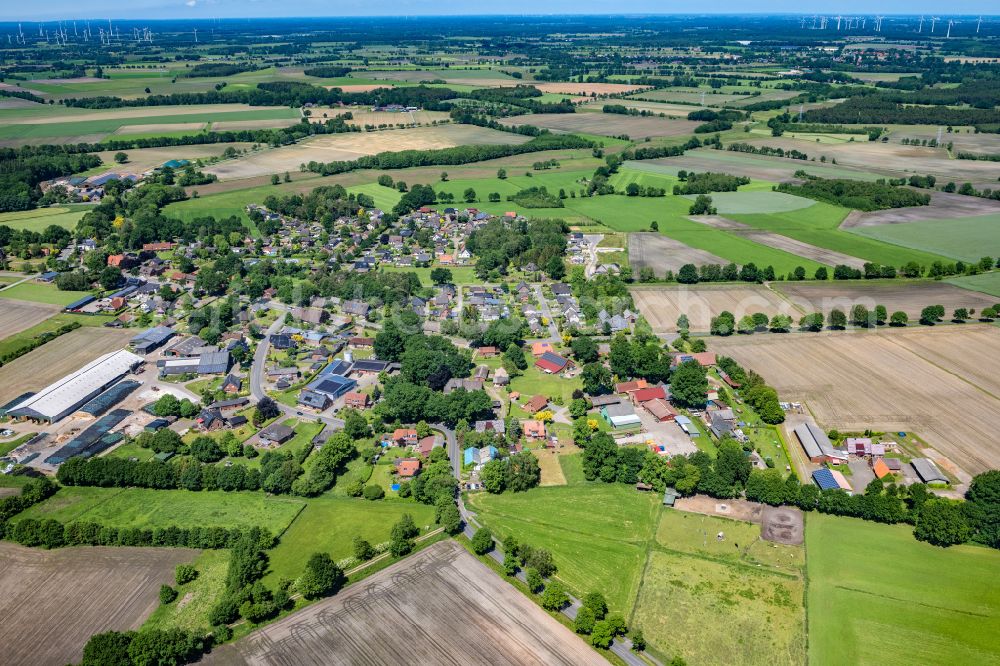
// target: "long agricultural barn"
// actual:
[[60, 399]]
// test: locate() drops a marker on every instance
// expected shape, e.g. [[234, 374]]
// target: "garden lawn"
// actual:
[[598, 534], [37, 220], [534, 381], [329, 524], [149, 509], [966, 238], [42, 293], [869, 581], [819, 225]]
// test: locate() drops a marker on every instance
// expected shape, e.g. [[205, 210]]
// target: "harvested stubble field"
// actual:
[[778, 241], [943, 206], [237, 125], [608, 124], [58, 358], [337, 147], [890, 159], [158, 128], [148, 158], [439, 606], [662, 253], [914, 380], [366, 117], [585, 89], [16, 316], [51, 602], [760, 167], [673, 110], [661, 306], [910, 297]]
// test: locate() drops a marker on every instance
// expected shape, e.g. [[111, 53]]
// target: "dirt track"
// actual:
[[441, 606], [51, 602]]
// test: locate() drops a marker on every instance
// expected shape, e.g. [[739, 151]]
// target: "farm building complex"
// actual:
[[62, 398]]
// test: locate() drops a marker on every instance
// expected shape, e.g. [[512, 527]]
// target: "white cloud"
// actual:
[[191, 3]]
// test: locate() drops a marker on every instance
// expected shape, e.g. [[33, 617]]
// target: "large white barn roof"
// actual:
[[62, 396]]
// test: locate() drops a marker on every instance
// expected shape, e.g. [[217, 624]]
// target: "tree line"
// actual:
[[857, 194]]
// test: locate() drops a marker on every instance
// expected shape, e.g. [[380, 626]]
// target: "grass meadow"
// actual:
[[738, 600], [965, 238], [37, 220], [329, 524], [195, 599], [819, 225], [598, 534], [42, 293], [149, 509], [878, 596], [988, 283]]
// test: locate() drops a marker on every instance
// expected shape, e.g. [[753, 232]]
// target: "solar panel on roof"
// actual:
[[824, 479]]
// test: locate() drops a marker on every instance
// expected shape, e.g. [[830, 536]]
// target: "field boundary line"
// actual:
[[910, 601]]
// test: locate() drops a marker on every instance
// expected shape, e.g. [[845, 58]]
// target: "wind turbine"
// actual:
[[921, 28], [950, 23], [196, 35], [934, 19], [979, 22], [838, 17]]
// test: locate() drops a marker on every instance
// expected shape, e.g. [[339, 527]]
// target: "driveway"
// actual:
[[861, 475]]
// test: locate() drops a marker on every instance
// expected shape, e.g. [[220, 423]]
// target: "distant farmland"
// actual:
[[337, 147], [608, 124]]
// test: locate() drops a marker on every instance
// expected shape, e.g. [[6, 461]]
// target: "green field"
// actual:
[[878, 596], [819, 225], [329, 524], [385, 197], [598, 534], [737, 600], [744, 202], [73, 127], [145, 508], [988, 283], [38, 220], [966, 238], [42, 293], [194, 599], [725, 158]]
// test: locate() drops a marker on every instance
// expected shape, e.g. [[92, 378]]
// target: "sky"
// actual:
[[179, 9]]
